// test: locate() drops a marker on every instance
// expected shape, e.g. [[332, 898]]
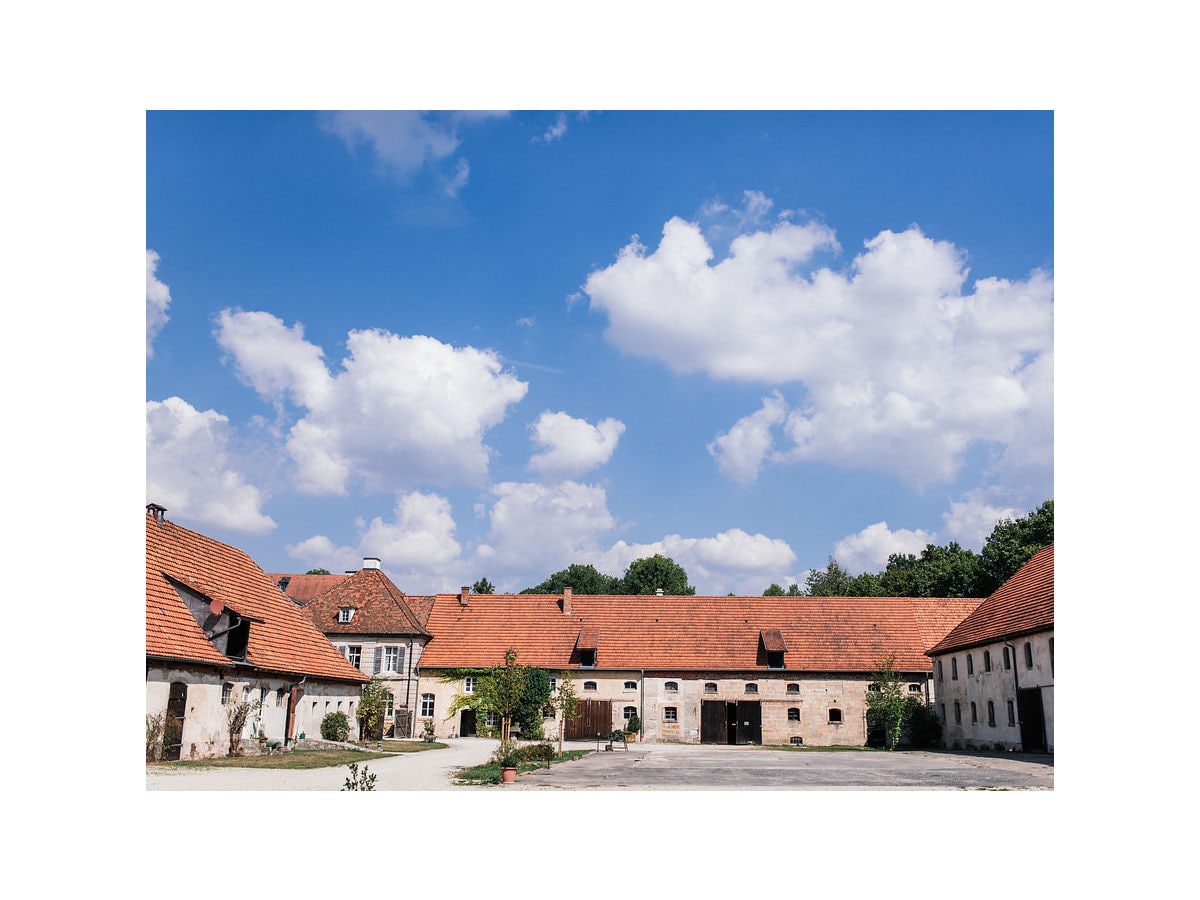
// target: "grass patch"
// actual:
[[402, 746], [297, 759], [489, 773]]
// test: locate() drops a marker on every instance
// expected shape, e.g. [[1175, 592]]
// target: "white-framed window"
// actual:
[[553, 685], [427, 705], [389, 707], [630, 712], [245, 693], [671, 686], [345, 614], [393, 659], [631, 685], [914, 689], [469, 684], [491, 720], [670, 714], [226, 693], [353, 654]]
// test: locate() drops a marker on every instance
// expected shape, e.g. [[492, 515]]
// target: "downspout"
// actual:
[[408, 688], [289, 726], [642, 701]]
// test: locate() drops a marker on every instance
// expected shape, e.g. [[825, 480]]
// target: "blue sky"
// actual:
[[496, 344]]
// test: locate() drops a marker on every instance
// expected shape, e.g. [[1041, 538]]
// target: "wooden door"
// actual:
[[749, 722], [595, 718], [714, 727], [173, 727], [1033, 722]]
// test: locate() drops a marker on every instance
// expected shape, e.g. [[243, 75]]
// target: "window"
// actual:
[[354, 655], [751, 688], [491, 720], [631, 685], [793, 688], [389, 707], [548, 711], [587, 659], [671, 686], [393, 659], [974, 714], [991, 714], [630, 712], [1007, 660], [226, 693], [710, 687], [345, 614], [1012, 713], [914, 689], [245, 693], [279, 697], [987, 660], [970, 664], [589, 685], [774, 659], [553, 685], [670, 714], [872, 688], [796, 739], [957, 713], [793, 714], [835, 716], [954, 668], [1028, 655], [427, 704], [469, 684], [940, 671]]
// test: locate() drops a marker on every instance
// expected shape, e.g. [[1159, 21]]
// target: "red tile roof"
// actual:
[[379, 607], [302, 588], [1023, 604], [711, 633], [283, 641]]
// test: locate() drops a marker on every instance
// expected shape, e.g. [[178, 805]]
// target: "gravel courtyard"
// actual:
[[654, 767]]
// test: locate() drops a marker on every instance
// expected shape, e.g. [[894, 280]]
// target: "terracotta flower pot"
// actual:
[[508, 775]]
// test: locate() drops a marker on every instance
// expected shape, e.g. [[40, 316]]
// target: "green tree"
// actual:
[[948, 571], [372, 703], [653, 573], [834, 581], [566, 704], [581, 579], [483, 586], [1011, 544], [887, 706], [773, 590], [318, 572], [528, 712], [498, 690]]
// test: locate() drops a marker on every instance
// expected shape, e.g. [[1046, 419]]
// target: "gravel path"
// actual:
[[429, 770]]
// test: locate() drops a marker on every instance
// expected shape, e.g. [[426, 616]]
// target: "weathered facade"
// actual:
[[379, 631], [220, 633], [740, 670], [994, 672]]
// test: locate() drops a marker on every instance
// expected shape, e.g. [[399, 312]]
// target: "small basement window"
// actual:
[[589, 685], [710, 687], [671, 686], [796, 739], [631, 685], [670, 714], [914, 689], [835, 716], [793, 688], [751, 688]]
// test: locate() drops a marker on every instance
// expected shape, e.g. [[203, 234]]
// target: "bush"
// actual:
[[335, 727], [155, 723], [924, 729], [634, 725]]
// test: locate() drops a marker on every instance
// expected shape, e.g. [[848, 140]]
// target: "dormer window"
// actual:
[[586, 646], [345, 614], [772, 648]]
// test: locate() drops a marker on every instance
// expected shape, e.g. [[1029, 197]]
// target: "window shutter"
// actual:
[[400, 660], [378, 660], [345, 652]]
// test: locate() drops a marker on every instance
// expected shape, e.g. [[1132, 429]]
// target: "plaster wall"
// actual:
[[404, 683], [999, 686]]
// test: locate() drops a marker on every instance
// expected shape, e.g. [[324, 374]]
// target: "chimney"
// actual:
[[463, 593], [566, 601], [158, 511], [658, 592], [370, 562]]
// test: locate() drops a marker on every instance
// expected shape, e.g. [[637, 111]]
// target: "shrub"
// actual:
[[358, 781], [335, 727], [634, 725], [924, 729], [155, 724], [236, 718]]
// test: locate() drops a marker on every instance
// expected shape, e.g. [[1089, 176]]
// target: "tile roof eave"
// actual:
[[938, 649]]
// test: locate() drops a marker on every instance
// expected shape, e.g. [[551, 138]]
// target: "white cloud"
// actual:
[[158, 298], [404, 141], [557, 130], [401, 411], [740, 452], [902, 365], [970, 521], [868, 551], [573, 446], [730, 561], [189, 469]]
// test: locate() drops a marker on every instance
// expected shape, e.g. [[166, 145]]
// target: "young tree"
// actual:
[[372, 703], [887, 706], [773, 590], [653, 573], [498, 690], [483, 586], [566, 704]]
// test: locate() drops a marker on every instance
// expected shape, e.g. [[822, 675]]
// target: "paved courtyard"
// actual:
[[657, 767]]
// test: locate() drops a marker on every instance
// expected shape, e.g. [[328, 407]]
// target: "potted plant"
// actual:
[[507, 757], [429, 731], [632, 727]]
